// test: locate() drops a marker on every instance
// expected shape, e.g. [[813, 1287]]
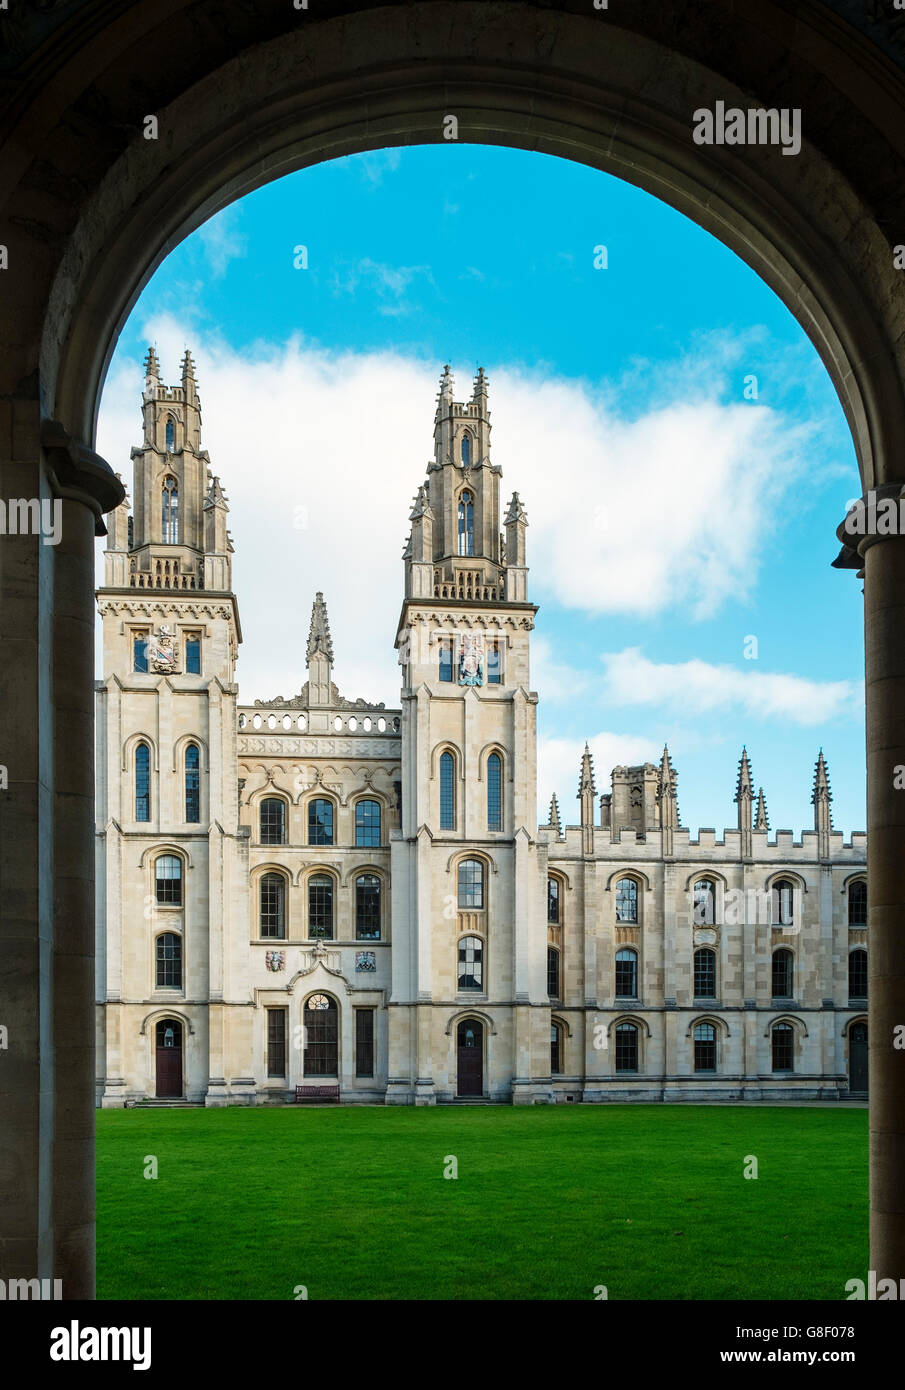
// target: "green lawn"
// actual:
[[549, 1202]]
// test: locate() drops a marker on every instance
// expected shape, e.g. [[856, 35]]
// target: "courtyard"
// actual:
[[482, 1202]]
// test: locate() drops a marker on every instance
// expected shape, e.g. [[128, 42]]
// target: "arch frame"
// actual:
[[834, 274]]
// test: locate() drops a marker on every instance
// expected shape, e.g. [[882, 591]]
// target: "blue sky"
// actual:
[[670, 518]]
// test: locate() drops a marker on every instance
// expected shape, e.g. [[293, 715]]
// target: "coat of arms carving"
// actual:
[[163, 657], [276, 960]]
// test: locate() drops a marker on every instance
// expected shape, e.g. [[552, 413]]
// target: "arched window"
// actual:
[[626, 900], [168, 880], [367, 907], [857, 903], [783, 901], [553, 902], [273, 821], [626, 1047], [626, 974], [494, 792], [273, 905], [556, 1048], [171, 435], [705, 974], [169, 961], [321, 1018], [320, 907], [781, 1042], [142, 782], [192, 784], [553, 973], [367, 824], [471, 963], [704, 1047], [704, 903], [471, 885], [466, 449], [466, 523], [320, 821], [447, 792], [857, 974], [169, 503], [782, 974]]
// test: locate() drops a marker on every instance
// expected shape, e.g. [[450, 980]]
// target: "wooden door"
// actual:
[[857, 1058], [169, 1058], [470, 1048]]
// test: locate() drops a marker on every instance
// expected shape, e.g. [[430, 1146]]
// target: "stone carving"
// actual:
[[365, 960], [471, 659], [276, 960], [163, 658]]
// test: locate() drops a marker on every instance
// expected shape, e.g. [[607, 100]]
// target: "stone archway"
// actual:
[[244, 92]]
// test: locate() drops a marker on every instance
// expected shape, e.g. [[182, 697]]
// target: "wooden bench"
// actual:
[[316, 1093]]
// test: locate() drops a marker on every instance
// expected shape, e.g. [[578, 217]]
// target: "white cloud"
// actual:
[[559, 764], [669, 510], [221, 240], [320, 454], [388, 282], [703, 688]]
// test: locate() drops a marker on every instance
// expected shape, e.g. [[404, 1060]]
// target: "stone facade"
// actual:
[[319, 891]]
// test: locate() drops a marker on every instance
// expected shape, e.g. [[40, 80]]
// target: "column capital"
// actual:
[[878, 515], [77, 472]]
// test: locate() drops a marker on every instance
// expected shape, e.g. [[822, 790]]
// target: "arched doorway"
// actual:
[[168, 1058], [617, 92], [857, 1059], [470, 1058]]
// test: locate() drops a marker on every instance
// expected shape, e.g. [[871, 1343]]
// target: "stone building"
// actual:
[[324, 892]]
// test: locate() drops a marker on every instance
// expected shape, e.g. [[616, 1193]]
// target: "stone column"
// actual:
[[47, 853], [883, 560]]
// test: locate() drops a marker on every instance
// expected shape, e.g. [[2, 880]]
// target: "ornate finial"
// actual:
[[586, 782], [516, 511], [821, 792], [215, 495], [421, 505], [761, 819], [666, 790], [152, 366], [744, 790], [555, 820], [319, 639]]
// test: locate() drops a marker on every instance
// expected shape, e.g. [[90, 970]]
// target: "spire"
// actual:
[[744, 795], [421, 505], [554, 820], [821, 791], [215, 496], [152, 366], [216, 537], [516, 511], [761, 819], [666, 791], [188, 379], [319, 639], [822, 797], [744, 789], [479, 394], [586, 781], [445, 395]]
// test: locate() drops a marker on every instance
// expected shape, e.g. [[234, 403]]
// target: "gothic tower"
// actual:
[[166, 753], [469, 1011]]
